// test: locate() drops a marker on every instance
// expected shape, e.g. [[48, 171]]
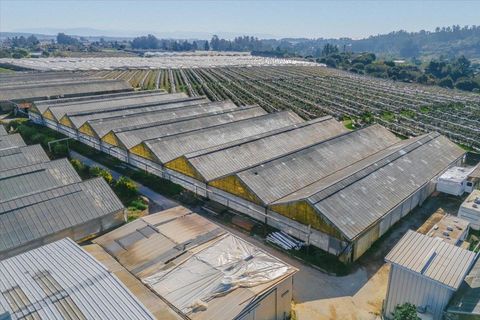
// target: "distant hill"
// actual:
[[447, 41]]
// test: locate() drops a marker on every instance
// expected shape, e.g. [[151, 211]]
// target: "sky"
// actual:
[[190, 19]]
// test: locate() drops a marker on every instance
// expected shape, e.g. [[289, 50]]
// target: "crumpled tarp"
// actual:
[[226, 265]]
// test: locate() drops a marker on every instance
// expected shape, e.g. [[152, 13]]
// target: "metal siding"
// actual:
[[405, 286], [105, 297]]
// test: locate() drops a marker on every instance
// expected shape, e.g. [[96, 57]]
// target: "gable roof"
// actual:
[[279, 177], [100, 118], [239, 155], [174, 146], [432, 258], [94, 105], [11, 140], [61, 281], [34, 216], [37, 91], [152, 126], [16, 157], [37, 177], [3, 130]]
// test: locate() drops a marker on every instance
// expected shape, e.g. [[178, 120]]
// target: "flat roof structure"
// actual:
[[30, 219], [187, 260], [171, 147], [147, 297], [40, 91], [451, 229], [432, 258], [23, 181], [218, 161], [16, 157], [61, 281], [11, 141]]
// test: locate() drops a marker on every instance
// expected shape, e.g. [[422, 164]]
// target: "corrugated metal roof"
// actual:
[[39, 77], [432, 258], [212, 164], [156, 248], [3, 131], [132, 138], [11, 140], [153, 124], [467, 299], [358, 200], [171, 147], [37, 215], [62, 281], [43, 105], [22, 156], [34, 178], [275, 179], [98, 117], [147, 297], [105, 104], [65, 88]]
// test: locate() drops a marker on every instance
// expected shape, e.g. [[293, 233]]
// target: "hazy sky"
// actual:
[[277, 18]]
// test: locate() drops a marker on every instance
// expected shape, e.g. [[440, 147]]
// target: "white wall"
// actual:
[[407, 286]]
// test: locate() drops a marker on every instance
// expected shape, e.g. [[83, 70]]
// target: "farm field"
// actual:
[[312, 91]]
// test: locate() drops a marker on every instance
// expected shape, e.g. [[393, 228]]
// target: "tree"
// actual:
[[64, 39], [215, 43], [329, 49], [206, 47], [467, 84], [409, 49], [406, 311], [446, 82]]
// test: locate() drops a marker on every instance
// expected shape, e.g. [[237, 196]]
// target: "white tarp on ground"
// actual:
[[226, 265]]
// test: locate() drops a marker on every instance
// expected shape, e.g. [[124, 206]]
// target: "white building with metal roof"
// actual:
[[10, 141], [62, 281], [425, 272]]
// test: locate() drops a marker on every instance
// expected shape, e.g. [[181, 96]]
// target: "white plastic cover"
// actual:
[[221, 268]]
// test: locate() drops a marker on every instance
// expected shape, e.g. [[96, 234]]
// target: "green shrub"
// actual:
[[138, 204], [100, 172], [406, 311], [126, 189]]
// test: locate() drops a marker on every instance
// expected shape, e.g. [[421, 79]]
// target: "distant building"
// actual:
[[62, 281], [425, 271], [470, 209], [199, 269]]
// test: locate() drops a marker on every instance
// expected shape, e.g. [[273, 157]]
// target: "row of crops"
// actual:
[[406, 109]]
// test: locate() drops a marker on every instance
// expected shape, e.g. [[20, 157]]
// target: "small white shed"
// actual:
[[454, 181], [470, 210], [425, 272]]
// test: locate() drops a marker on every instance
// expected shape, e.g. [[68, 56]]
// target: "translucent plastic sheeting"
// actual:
[[221, 268]]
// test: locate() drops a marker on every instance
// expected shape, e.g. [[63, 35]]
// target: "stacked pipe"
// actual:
[[284, 241]]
